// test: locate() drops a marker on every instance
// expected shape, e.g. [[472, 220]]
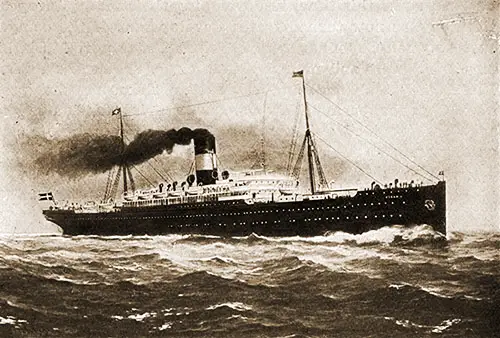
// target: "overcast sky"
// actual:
[[421, 74]]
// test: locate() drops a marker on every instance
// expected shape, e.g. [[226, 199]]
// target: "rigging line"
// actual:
[[234, 155], [300, 158], [133, 166], [371, 131], [293, 143], [156, 171], [370, 143], [154, 158], [217, 159], [108, 183], [263, 139], [114, 188], [207, 102], [255, 151], [131, 179], [319, 168], [165, 172], [192, 167], [347, 159]]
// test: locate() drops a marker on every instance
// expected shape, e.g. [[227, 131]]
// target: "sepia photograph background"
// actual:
[[417, 76]]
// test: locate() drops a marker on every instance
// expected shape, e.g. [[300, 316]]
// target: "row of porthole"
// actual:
[[204, 215], [252, 223], [208, 224], [306, 219], [245, 213], [217, 215], [220, 224], [183, 206], [303, 209], [347, 217], [261, 222]]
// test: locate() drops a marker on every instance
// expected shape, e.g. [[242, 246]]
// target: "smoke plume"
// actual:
[[151, 143], [86, 153], [78, 155]]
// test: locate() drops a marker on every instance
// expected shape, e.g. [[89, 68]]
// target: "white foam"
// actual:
[[406, 323], [167, 325], [11, 320], [472, 297], [134, 267], [221, 258], [434, 292], [237, 317], [434, 329], [445, 325], [385, 235], [430, 290], [7, 320], [73, 281], [141, 317], [233, 305], [398, 286]]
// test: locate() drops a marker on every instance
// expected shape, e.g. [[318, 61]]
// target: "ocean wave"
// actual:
[[238, 306], [440, 328], [202, 277], [11, 320], [401, 235], [201, 239], [384, 235], [419, 235], [485, 240], [209, 239], [401, 300], [137, 257], [139, 317], [60, 278], [435, 291], [219, 260], [110, 238], [253, 285]]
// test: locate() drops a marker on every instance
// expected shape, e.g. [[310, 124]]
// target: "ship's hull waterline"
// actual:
[[367, 210]]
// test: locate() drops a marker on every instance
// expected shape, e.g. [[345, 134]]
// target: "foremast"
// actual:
[[112, 185]]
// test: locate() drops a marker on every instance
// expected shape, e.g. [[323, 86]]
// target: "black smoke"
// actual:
[[77, 155], [87, 153], [151, 143]]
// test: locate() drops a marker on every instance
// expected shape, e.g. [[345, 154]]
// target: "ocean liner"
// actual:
[[224, 203]]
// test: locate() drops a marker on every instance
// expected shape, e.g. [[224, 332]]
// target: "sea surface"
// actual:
[[393, 282]]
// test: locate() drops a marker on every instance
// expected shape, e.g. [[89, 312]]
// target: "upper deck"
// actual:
[[256, 186]]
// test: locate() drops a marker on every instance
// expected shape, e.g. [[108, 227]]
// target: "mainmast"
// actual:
[[308, 133], [312, 156], [124, 166]]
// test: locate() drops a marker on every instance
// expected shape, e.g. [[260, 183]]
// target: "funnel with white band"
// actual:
[[205, 159]]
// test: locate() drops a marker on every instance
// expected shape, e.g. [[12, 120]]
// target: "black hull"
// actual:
[[367, 210]]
